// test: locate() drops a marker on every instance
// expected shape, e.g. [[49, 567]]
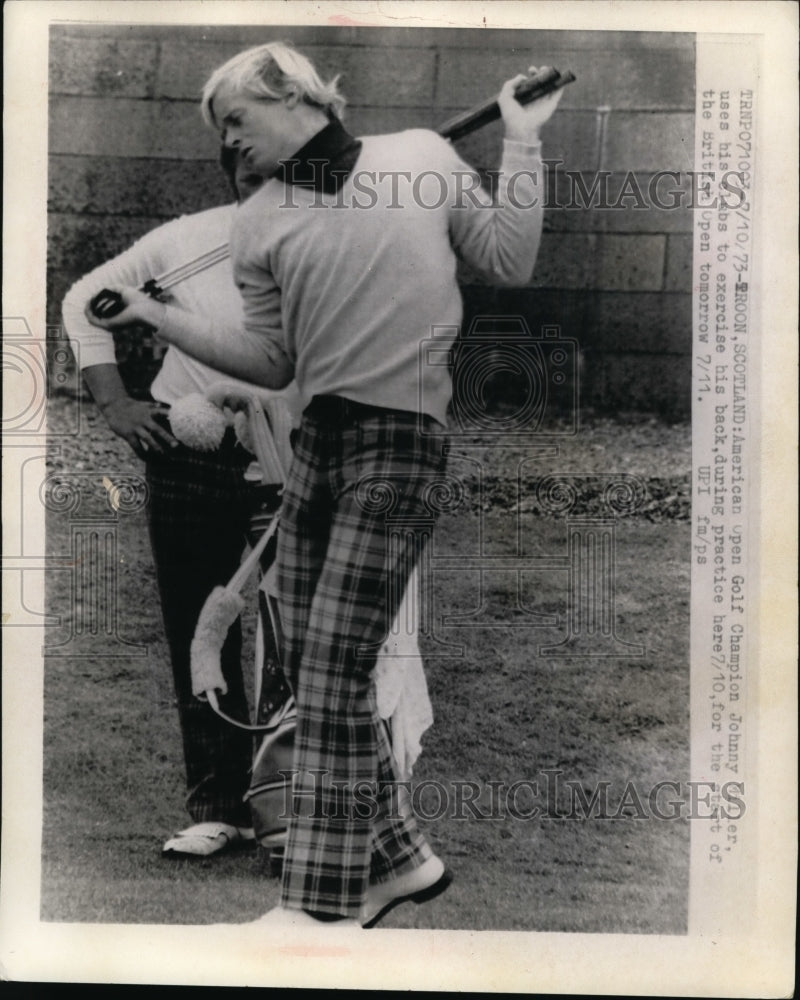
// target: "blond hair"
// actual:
[[272, 71]]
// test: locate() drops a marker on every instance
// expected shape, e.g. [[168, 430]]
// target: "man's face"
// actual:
[[263, 131]]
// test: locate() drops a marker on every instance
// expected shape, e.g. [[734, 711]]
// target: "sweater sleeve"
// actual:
[[500, 239], [260, 292], [262, 306], [92, 344], [249, 357]]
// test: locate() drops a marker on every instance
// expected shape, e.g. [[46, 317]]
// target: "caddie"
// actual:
[[200, 504]]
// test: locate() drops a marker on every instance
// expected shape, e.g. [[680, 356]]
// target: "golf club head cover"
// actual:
[[197, 423], [220, 611]]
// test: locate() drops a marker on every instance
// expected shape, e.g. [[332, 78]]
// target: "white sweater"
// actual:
[[352, 285], [210, 299]]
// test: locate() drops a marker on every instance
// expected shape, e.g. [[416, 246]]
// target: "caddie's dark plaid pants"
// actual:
[[352, 466], [199, 512]]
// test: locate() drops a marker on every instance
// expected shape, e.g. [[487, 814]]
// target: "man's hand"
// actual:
[[523, 123], [236, 397], [229, 396], [138, 308], [135, 421]]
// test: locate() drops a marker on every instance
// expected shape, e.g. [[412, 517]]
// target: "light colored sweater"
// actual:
[[351, 285], [209, 300]]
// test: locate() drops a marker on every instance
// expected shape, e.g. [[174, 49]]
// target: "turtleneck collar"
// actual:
[[325, 162]]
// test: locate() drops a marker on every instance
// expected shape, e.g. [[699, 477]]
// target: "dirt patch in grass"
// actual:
[[510, 710]]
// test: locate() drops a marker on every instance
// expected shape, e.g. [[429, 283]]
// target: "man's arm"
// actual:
[[501, 239], [131, 419], [251, 356], [132, 267]]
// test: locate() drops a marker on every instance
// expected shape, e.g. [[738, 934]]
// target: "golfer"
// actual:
[[346, 262], [200, 504]]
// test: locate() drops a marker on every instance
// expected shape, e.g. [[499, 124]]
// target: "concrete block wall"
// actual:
[[128, 150]]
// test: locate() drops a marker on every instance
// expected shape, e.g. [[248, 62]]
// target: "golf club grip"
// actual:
[[489, 111], [107, 304]]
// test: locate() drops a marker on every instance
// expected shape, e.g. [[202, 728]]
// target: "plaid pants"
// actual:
[[199, 514], [334, 571]]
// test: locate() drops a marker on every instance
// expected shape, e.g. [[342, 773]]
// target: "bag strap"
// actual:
[[281, 716], [237, 581]]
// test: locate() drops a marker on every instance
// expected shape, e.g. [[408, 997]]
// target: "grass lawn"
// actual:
[[505, 712]]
